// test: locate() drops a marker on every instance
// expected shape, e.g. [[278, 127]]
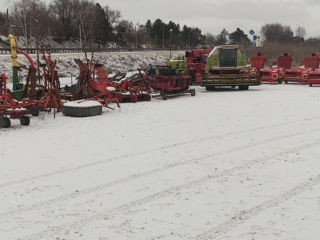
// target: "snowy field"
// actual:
[[221, 165]]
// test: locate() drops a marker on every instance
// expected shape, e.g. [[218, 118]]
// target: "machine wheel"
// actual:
[[25, 120], [6, 123], [243, 87], [193, 92], [164, 97], [208, 88], [310, 85], [279, 81], [35, 112], [286, 82]]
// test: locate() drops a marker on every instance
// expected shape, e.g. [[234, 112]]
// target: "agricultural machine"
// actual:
[[256, 65], [168, 80], [314, 77], [39, 93], [134, 88], [94, 84], [300, 74], [9, 107], [196, 63], [226, 67], [41, 89], [275, 74]]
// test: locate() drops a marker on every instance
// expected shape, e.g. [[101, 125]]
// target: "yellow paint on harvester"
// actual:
[[13, 50]]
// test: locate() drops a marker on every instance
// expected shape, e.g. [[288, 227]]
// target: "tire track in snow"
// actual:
[[151, 172], [246, 215], [80, 167], [157, 170], [53, 231]]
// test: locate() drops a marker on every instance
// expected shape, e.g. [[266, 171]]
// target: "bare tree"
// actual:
[[86, 19], [23, 18], [114, 16], [276, 32], [300, 32], [67, 15], [210, 39]]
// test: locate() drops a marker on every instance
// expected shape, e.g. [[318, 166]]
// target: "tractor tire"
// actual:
[[193, 92], [25, 121], [280, 81], [286, 82], [310, 85], [243, 87], [35, 112], [6, 122]]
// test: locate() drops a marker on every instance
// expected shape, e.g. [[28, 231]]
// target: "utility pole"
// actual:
[[136, 36], [163, 38], [80, 37], [7, 22], [170, 39], [36, 21]]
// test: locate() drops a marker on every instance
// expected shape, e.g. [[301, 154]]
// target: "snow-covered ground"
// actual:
[[221, 165], [113, 61]]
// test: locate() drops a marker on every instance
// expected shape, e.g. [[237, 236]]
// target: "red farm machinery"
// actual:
[[314, 77], [168, 80], [95, 84], [300, 74], [39, 91], [9, 107], [196, 63], [276, 73]]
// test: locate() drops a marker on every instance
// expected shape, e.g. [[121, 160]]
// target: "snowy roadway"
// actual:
[[220, 165]]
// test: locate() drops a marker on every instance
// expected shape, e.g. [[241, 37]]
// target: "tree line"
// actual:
[[71, 20], [88, 22]]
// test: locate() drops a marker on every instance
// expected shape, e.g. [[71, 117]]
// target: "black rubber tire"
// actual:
[[35, 112], [280, 81], [286, 82], [6, 122], [193, 92], [310, 85], [164, 97], [243, 87], [25, 121]]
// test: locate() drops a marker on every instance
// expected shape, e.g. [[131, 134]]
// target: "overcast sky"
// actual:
[[214, 15]]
